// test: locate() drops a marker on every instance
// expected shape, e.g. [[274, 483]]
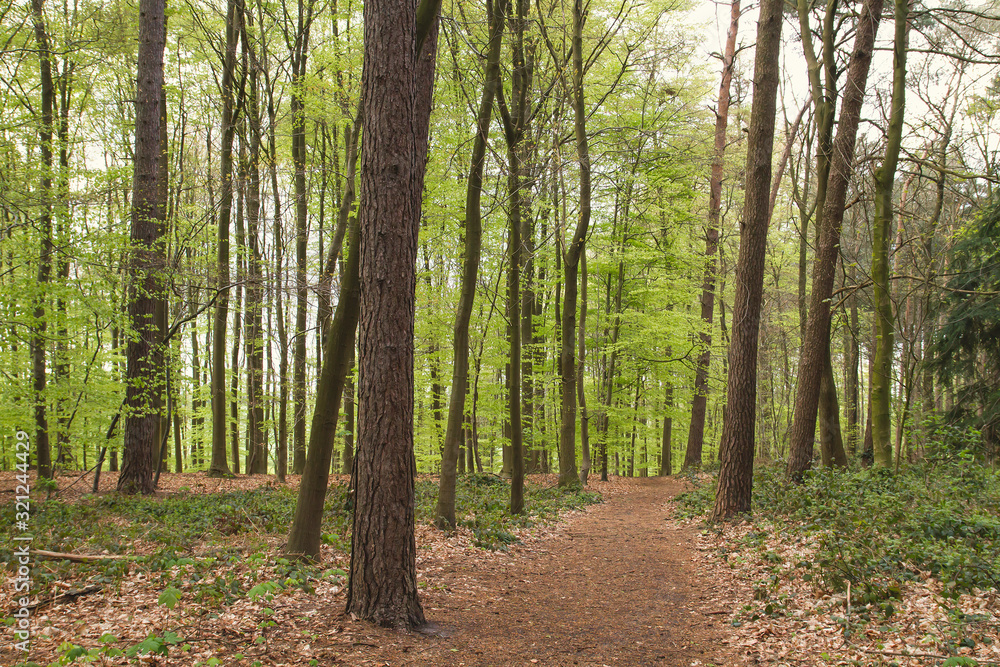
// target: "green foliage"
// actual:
[[114, 522], [966, 348], [877, 530]]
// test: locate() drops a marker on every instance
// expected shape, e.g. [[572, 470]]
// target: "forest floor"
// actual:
[[624, 582], [619, 583]]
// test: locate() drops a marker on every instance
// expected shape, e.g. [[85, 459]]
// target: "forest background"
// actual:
[[261, 141]]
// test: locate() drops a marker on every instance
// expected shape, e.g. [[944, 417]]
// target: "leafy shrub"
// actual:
[[876, 529]]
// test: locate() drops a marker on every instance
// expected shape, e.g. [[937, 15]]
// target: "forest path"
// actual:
[[617, 585]]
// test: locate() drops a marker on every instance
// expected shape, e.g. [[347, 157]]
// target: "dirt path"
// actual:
[[619, 586]]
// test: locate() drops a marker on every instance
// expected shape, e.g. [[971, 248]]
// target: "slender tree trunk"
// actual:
[[445, 510], [43, 455], [349, 423], [299, 60], [237, 307], [666, 451], [304, 538], [219, 467], [699, 401], [880, 383], [831, 440], [737, 448], [580, 390], [568, 476]]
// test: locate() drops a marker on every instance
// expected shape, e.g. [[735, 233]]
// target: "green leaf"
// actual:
[[169, 597]]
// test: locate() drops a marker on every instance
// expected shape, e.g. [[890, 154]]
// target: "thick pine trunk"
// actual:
[[396, 92], [147, 257], [736, 450]]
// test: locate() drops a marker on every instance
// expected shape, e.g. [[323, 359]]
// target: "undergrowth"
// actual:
[[215, 549], [876, 529], [873, 531], [173, 527]]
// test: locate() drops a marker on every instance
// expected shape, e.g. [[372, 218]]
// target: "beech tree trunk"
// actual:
[[304, 537], [470, 274], [571, 264], [300, 52], [43, 455], [581, 393], [219, 467], [699, 401], [880, 384], [666, 450]]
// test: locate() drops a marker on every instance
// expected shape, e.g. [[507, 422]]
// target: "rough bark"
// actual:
[[824, 269], [736, 450], [396, 89], [146, 259]]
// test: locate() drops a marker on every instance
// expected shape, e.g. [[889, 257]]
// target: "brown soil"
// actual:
[[617, 585]]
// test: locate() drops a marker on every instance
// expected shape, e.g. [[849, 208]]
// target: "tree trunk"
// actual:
[[736, 450], [818, 322], [349, 417], [666, 451], [699, 401], [831, 439], [880, 384], [147, 257], [304, 537], [253, 318], [396, 90], [219, 467], [580, 390], [43, 455], [445, 510], [299, 60], [571, 262]]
